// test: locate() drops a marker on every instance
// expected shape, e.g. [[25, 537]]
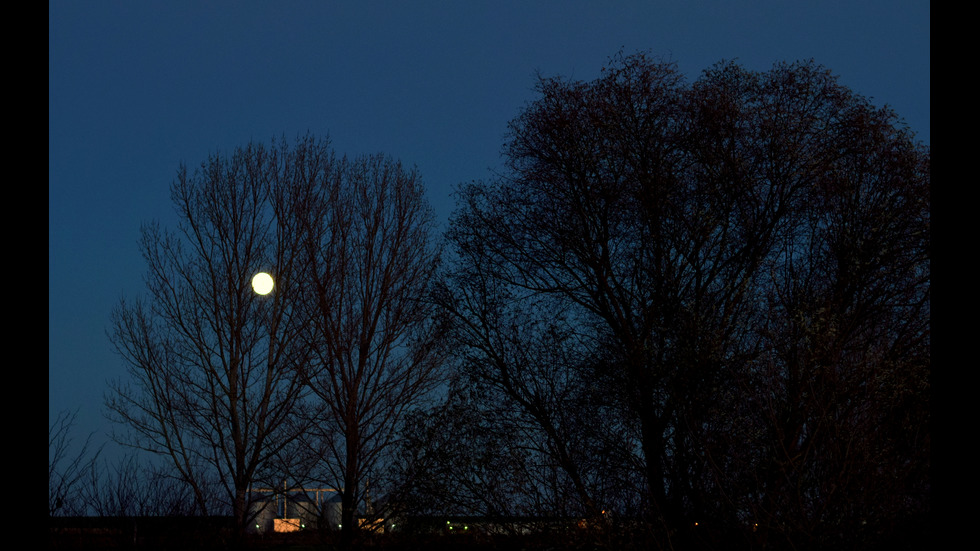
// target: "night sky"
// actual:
[[136, 88]]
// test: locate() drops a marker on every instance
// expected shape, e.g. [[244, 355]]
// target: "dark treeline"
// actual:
[[703, 307], [692, 314]]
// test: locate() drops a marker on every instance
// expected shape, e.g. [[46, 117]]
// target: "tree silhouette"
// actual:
[[67, 467], [214, 367], [374, 337], [687, 226]]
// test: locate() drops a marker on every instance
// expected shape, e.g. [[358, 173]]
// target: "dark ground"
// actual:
[[201, 533], [158, 534]]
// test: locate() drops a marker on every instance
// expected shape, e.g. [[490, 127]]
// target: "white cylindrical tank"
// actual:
[[332, 506], [304, 509], [263, 512]]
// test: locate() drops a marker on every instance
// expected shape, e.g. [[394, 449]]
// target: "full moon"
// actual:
[[262, 283]]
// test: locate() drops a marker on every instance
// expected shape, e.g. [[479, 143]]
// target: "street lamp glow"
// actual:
[[262, 283]]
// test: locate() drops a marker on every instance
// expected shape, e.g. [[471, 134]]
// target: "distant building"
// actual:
[[293, 510]]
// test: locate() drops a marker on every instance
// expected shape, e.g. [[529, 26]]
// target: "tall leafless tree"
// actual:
[[374, 335], [214, 368]]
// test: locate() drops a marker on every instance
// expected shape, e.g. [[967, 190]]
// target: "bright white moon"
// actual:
[[262, 283]]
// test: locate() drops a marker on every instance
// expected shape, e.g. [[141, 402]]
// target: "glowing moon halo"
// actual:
[[262, 283]]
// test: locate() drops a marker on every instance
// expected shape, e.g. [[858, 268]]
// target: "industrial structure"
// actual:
[[290, 510]]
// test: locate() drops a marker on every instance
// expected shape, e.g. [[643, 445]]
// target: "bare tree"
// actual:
[[375, 338], [67, 467], [527, 354], [133, 488], [214, 367], [465, 457], [655, 208]]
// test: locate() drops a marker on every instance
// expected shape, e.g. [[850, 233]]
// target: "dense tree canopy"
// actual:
[[734, 272]]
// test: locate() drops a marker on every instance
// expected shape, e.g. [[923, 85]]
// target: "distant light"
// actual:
[[262, 283]]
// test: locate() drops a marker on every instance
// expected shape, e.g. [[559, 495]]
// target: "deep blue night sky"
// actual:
[[136, 88]]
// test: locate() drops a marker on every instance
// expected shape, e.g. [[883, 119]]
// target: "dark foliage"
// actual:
[[724, 285]]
